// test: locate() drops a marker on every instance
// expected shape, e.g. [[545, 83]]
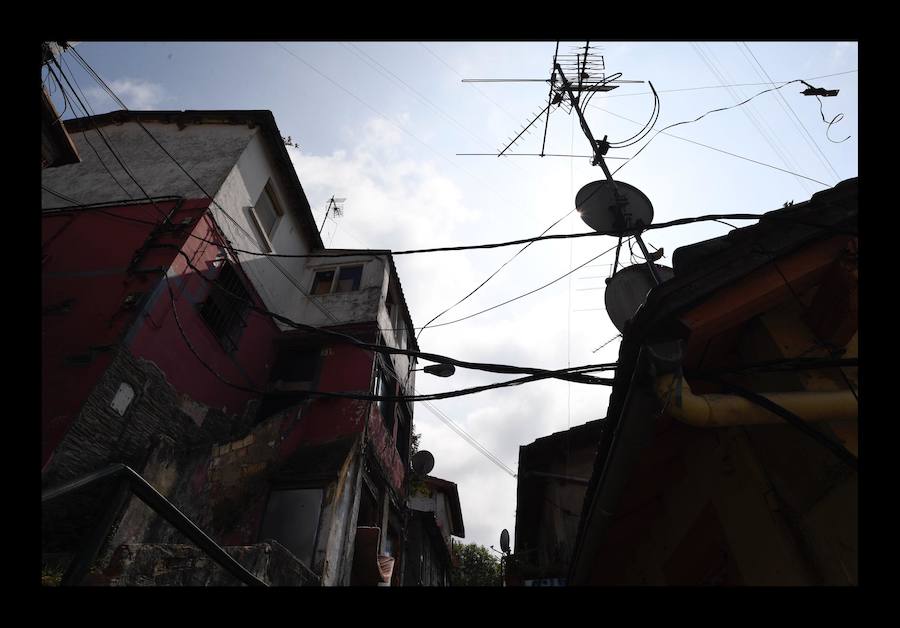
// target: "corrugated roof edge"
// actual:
[[663, 302], [255, 117]]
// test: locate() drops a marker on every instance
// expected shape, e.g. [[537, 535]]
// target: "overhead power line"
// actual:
[[700, 117], [807, 136], [691, 89], [443, 249], [725, 152]]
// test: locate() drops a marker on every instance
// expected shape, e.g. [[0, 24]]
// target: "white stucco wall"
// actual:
[[207, 151], [239, 192]]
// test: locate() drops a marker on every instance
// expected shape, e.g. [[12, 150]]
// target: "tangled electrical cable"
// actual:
[[703, 116], [640, 135]]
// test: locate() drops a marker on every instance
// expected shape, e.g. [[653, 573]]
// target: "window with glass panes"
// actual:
[[342, 279]]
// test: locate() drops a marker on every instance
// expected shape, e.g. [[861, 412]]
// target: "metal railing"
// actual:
[[131, 483]]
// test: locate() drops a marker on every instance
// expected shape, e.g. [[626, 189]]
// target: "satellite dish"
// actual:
[[628, 289], [422, 462], [504, 540], [597, 204]]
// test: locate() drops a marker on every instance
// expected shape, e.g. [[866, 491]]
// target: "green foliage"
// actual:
[[474, 566], [51, 575]]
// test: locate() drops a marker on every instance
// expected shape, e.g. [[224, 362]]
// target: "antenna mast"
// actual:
[[333, 203]]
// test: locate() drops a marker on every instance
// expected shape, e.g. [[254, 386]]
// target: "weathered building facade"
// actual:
[[731, 449], [435, 517], [552, 478], [159, 352]]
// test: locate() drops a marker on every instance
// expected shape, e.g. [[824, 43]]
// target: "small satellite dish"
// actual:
[[422, 462], [599, 208], [504, 540], [628, 289]]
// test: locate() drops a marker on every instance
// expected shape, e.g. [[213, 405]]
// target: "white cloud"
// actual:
[[136, 93]]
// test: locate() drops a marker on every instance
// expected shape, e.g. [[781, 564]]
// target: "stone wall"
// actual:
[[186, 565]]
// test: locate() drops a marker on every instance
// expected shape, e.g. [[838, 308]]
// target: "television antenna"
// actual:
[[607, 206], [583, 64], [333, 204]]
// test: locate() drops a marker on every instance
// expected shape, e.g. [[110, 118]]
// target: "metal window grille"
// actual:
[[225, 314]]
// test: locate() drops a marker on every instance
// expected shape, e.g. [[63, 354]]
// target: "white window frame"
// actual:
[[334, 280], [268, 189]]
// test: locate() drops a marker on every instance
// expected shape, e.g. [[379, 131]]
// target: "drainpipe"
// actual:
[[716, 410]]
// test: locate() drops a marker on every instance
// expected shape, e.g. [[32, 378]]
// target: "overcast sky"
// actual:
[[381, 123]]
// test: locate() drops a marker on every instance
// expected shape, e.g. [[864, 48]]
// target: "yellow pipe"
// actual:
[[725, 410]]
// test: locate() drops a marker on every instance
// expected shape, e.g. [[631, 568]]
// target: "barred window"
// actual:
[[225, 309]]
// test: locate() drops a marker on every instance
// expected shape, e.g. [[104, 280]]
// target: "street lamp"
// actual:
[[440, 370]]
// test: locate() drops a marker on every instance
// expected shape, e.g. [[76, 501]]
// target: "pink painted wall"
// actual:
[[84, 259], [159, 340]]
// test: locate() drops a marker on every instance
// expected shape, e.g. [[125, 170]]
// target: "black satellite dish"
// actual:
[[422, 462], [504, 540], [628, 289], [600, 209]]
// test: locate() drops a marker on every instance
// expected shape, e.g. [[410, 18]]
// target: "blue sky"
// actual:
[[381, 123]]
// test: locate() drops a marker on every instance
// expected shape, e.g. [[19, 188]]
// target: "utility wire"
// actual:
[[662, 225], [488, 98], [574, 375], [691, 89], [117, 157], [494, 274], [522, 296], [280, 268], [751, 114], [810, 140], [834, 447], [172, 296], [684, 139], [356, 395], [419, 95], [392, 122], [453, 425], [700, 117]]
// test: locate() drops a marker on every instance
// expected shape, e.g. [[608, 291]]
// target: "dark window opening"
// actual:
[[294, 372], [385, 387], [403, 434], [369, 513], [323, 281], [349, 278], [225, 309]]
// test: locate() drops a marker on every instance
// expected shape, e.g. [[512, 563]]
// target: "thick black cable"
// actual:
[[106, 141], [779, 365], [834, 120], [836, 448], [86, 138], [651, 122], [662, 225], [431, 357], [364, 396]]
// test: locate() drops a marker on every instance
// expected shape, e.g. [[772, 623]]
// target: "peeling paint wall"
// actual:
[[90, 300]]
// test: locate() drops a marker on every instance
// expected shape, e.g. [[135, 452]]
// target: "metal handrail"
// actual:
[[138, 486]]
